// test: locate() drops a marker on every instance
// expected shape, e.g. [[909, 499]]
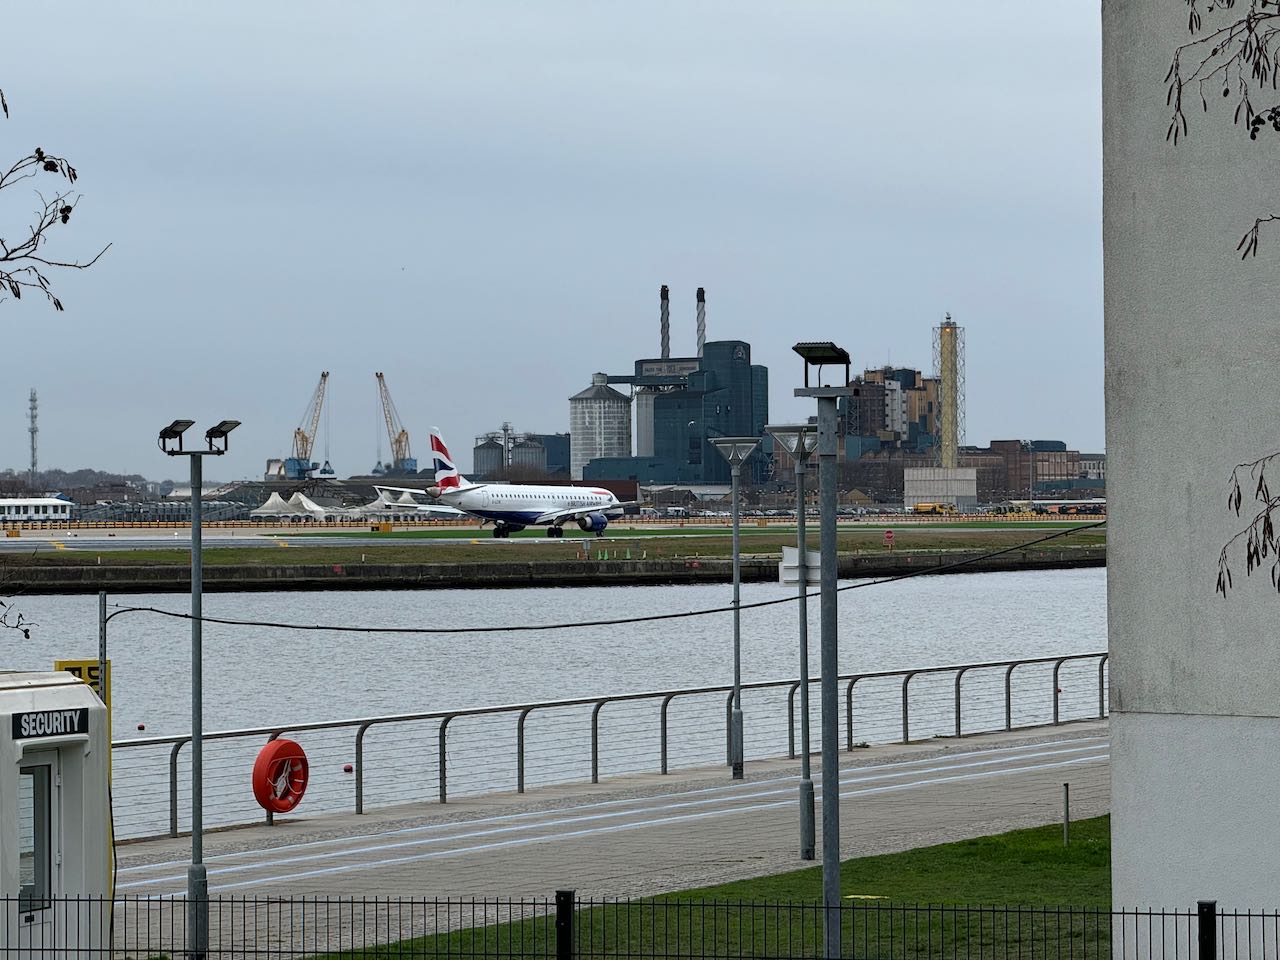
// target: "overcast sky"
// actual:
[[482, 199]]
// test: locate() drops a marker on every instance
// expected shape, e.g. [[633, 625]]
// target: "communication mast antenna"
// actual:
[[33, 429]]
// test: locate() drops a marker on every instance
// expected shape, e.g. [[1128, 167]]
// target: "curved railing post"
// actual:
[[173, 786], [1008, 696], [959, 675], [791, 720], [444, 728], [1057, 691], [595, 739], [520, 750], [906, 682], [662, 723], [1102, 687], [360, 765], [728, 730], [848, 712]]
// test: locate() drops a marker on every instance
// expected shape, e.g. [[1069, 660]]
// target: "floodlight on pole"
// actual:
[[736, 450], [821, 353], [799, 440], [197, 873], [174, 431], [218, 432]]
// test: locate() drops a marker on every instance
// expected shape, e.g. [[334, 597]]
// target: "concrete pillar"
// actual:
[[1191, 357]]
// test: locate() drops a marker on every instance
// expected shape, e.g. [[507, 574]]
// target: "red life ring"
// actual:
[[280, 776]]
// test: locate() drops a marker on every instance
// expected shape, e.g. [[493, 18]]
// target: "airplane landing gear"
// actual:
[[555, 532], [501, 531]]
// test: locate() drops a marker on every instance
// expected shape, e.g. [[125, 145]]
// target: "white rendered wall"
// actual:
[[1196, 797], [1191, 357]]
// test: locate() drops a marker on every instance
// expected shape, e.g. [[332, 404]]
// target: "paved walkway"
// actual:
[[640, 835]]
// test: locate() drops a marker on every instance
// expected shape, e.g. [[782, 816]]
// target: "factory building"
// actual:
[[891, 407], [508, 454], [688, 401], [599, 425]]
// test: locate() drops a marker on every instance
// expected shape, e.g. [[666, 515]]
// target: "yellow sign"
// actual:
[[87, 670]]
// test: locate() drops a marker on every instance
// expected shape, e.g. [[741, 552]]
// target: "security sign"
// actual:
[[50, 723], [280, 776]]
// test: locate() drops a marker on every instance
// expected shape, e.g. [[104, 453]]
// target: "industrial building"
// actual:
[[509, 454], [688, 401], [599, 425], [680, 404]]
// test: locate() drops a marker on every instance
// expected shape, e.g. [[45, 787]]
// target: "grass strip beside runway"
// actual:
[[766, 543]]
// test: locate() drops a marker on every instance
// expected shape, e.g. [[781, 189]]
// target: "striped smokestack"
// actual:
[[702, 319], [664, 321]]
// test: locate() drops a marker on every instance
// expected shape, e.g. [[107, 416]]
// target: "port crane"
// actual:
[[300, 466], [402, 459]]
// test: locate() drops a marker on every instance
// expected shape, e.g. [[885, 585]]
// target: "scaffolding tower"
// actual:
[[948, 367]]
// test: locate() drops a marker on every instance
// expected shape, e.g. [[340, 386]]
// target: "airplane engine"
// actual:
[[593, 522]]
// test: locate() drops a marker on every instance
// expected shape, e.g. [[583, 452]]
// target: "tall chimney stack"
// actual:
[[664, 321], [702, 319]]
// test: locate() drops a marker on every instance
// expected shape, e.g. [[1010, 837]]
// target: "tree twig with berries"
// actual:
[[1238, 52], [25, 264], [1261, 547]]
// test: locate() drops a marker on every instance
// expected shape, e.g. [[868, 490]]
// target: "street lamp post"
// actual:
[[170, 442], [736, 450], [798, 440], [818, 355]]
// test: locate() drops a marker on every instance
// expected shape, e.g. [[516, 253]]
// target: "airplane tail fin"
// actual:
[[447, 476]]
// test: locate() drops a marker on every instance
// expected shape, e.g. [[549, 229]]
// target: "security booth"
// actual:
[[54, 814]]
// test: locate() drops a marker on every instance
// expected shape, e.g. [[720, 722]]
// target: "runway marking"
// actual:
[[590, 831], [747, 790]]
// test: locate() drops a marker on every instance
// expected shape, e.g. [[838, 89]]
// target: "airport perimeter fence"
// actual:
[[360, 764], [567, 926]]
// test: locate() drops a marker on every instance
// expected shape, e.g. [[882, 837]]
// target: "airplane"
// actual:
[[512, 507]]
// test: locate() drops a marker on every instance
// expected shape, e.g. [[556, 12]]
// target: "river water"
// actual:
[[258, 676]]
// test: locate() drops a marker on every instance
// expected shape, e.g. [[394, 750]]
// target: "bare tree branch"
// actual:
[[1240, 55], [23, 264]]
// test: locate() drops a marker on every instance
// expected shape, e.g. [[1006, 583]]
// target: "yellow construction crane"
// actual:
[[402, 460], [299, 466]]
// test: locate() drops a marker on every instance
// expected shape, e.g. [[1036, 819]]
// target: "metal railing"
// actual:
[[521, 712], [569, 926]]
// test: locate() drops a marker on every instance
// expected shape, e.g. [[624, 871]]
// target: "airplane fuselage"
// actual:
[[515, 505]]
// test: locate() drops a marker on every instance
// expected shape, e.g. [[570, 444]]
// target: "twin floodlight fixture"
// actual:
[[215, 438]]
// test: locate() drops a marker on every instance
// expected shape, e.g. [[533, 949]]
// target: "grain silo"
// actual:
[[599, 424]]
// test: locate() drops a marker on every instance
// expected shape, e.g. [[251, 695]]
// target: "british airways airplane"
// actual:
[[512, 507]]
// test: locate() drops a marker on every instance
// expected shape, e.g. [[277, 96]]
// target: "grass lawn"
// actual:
[[762, 542], [748, 527], [776, 916]]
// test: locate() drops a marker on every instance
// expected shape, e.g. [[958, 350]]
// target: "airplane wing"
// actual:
[[573, 513], [420, 493]]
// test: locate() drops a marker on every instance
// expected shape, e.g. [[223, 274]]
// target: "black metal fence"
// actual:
[[571, 927]]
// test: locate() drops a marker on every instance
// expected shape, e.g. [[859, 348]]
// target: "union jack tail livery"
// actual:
[[447, 476]]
